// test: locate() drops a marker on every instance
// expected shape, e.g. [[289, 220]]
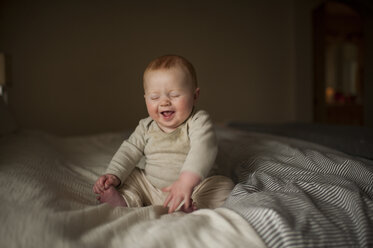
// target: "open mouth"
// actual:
[[167, 114]]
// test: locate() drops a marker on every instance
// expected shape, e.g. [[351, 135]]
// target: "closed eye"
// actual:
[[155, 97], [174, 95]]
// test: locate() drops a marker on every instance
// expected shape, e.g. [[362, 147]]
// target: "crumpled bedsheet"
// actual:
[[299, 194], [46, 200]]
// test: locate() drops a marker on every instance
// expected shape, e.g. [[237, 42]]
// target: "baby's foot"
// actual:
[[112, 197]]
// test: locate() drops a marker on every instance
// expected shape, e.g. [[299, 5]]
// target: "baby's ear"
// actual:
[[196, 94]]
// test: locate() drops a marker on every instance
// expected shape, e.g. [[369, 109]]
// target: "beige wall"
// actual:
[[77, 65]]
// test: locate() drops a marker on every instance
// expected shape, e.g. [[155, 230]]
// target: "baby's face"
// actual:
[[169, 96]]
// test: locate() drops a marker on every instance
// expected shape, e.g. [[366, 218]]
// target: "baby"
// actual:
[[167, 159]]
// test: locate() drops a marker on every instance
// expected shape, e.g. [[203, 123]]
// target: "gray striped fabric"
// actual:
[[297, 194]]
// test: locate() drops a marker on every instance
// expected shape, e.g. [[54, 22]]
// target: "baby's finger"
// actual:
[[101, 182], [187, 202], [96, 189], [108, 182], [175, 204], [167, 201], [112, 180], [172, 208], [100, 188], [101, 179]]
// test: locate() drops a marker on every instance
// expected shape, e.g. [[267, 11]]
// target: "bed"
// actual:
[[289, 193]]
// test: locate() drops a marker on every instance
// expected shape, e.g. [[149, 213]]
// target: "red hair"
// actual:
[[172, 61]]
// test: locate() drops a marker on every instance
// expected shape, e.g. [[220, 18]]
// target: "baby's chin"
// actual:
[[169, 127]]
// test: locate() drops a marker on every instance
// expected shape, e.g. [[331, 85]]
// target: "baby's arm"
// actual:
[[198, 163], [181, 190], [104, 182], [129, 153]]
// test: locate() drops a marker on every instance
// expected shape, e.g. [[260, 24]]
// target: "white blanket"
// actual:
[[46, 200]]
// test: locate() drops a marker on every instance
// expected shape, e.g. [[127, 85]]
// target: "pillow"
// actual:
[[7, 122]]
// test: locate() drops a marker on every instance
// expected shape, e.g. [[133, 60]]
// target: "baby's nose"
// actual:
[[165, 102]]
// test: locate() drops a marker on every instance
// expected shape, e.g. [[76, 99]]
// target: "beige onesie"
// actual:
[[191, 147]]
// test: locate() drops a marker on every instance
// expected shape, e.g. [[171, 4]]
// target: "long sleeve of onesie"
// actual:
[[203, 145], [129, 153]]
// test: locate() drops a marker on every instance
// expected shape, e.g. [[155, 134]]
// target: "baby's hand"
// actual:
[[181, 190], [104, 182]]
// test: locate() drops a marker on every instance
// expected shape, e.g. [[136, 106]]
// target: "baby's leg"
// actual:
[[112, 197], [212, 192]]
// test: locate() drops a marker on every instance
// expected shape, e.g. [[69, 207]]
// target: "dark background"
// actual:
[[76, 66]]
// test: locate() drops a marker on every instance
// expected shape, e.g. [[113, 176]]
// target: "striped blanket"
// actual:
[[298, 194]]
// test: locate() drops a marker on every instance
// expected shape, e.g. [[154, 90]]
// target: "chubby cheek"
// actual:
[[152, 109], [185, 105]]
